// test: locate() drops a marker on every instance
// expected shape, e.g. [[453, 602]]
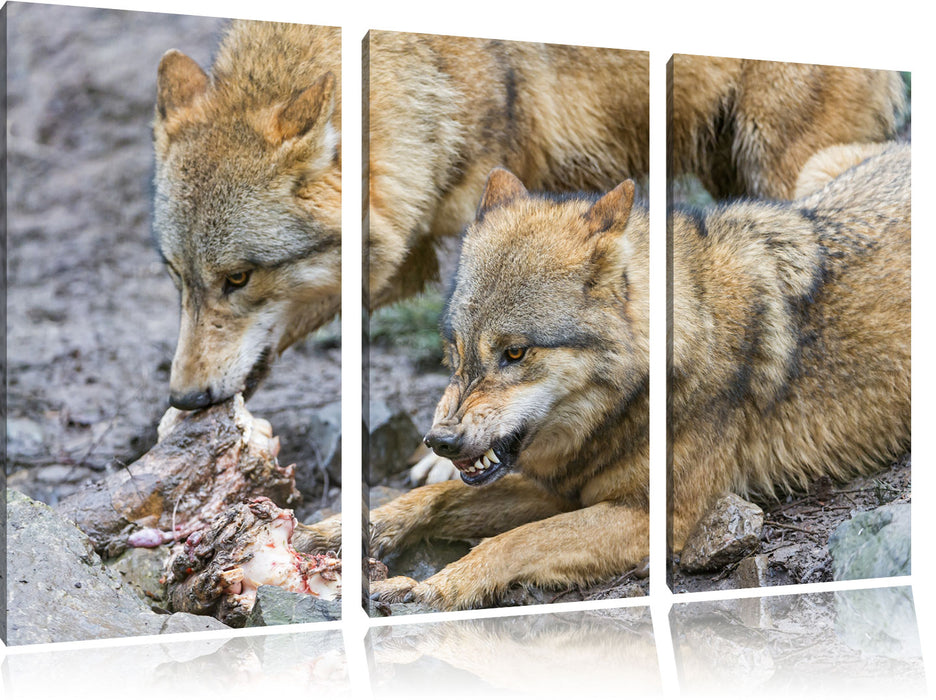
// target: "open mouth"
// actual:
[[497, 461]]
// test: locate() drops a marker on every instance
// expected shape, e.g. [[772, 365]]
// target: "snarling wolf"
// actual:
[[546, 412]]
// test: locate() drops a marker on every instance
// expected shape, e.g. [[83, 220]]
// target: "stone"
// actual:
[[59, 590], [24, 437], [277, 606], [187, 622], [391, 439], [144, 569], [426, 558], [752, 572], [872, 544], [323, 435], [729, 532], [382, 495]]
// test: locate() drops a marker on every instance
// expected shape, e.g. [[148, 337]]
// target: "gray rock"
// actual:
[[24, 436], [276, 606], [381, 495], [187, 622], [60, 591], [872, 544], [375, 609], [752, 572], [726, 534], [325, 433], [391, 439], [143, 569], [426, 558], [314, 445]]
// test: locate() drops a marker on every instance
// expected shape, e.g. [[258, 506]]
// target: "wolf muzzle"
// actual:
[[191, 401], [444, 443]]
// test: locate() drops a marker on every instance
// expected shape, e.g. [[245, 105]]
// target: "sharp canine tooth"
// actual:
[[491, 456], [478, 465], [486, 461]]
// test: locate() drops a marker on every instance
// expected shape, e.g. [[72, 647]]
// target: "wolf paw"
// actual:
[[432, 469], [398, 589], [385, 537], [439, 592]]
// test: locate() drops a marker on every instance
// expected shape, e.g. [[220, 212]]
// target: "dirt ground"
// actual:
[[92, 315]]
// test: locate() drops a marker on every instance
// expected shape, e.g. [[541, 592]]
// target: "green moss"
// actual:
[[413, 326]]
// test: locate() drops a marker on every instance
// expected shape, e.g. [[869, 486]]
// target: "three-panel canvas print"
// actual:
[[173, 248]]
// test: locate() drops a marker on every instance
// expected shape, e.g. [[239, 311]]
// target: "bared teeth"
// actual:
[[482, 463]]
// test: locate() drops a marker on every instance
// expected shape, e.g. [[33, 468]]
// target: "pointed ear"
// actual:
[[502, 187], [313, 105], [179, 82], [613, 209]]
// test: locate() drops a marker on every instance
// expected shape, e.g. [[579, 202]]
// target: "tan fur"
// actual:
[[570, 416], [789, 358], [748, 127], [248, 179], [790, 339], [829, 163], [443, 111]]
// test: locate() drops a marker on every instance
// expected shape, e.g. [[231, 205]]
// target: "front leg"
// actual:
[[452, 510], [578, 547], [320, 537]]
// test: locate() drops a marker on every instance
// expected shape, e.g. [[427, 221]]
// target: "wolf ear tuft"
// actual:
[[312, 105], [179, 82], [612, 209], [502, 187]]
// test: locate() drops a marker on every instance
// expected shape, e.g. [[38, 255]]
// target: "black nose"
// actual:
[[444, 444], [191, 401]]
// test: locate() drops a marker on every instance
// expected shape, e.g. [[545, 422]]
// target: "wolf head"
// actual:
[[247, 219], [546, 328]]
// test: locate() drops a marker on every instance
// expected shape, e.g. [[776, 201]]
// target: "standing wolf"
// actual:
[[248, 173], [443, 111], [247, 209], [789, 358]]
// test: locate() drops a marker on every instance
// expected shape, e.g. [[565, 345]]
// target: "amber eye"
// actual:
[[236, 280], [514, 353]]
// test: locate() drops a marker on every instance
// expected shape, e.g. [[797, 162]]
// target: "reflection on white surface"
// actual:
[[307, 664], [601, 653], [856, 643], [847, 643]]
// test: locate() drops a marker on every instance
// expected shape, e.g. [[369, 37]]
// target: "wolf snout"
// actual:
[[444, 443], [192, 400]]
